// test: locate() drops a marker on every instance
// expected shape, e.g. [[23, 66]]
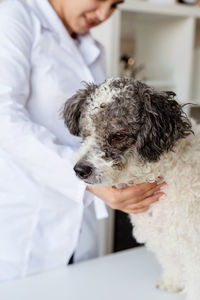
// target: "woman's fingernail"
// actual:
[[162, 196]]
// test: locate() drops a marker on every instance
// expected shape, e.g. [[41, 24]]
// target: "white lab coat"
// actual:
[[41, 200]]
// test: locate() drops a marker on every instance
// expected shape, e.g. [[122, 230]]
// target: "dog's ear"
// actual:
[[163, 122], [74, 107]]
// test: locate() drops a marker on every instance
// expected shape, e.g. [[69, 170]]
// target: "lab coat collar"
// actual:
[[88, 48], [50, 21]]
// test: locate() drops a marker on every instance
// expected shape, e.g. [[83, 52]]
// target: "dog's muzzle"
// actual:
[[83, 171]]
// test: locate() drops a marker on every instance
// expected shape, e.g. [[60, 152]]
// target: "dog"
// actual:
[[132, 134]]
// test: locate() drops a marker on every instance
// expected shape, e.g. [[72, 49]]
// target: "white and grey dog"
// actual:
[[132, 134]]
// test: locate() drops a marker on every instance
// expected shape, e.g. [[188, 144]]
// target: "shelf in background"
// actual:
[[164, 39], [178, 10]]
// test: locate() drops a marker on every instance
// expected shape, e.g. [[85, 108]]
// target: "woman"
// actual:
[[45, 211]]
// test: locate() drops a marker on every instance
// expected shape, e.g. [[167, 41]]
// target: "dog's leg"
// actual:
[[172, 276], [192, 280]]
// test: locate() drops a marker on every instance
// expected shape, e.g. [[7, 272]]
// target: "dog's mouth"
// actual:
[[89, 182], [92, 182]]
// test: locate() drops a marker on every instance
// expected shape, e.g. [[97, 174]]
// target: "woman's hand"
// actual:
[[133, 199]]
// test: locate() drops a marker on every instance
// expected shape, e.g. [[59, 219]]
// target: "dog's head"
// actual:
[[122, 120]]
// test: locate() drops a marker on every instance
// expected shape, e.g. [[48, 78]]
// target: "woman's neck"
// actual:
[[58, 9]]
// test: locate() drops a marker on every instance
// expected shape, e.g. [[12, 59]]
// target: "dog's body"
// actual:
[[171, 227], [133, 134]]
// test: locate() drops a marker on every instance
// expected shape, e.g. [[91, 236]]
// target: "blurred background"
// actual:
[[157, 41]]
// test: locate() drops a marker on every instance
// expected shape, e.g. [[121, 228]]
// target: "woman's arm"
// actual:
[[31, 146]]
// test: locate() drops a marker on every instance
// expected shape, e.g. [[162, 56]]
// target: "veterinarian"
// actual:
[[46, 213]]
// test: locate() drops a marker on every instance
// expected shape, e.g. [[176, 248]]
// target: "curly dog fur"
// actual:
[[133, 134]]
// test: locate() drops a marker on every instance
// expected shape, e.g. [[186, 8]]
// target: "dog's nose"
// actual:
[[83, 171]]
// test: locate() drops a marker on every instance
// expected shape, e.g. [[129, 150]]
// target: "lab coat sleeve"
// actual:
[[32, 147]]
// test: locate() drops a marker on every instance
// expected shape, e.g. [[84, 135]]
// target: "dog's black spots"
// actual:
[[74, 107], [164, 123], [155, 119], [123, 84], [116, 133]]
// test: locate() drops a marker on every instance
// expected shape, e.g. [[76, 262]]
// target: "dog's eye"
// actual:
[[116, 138]]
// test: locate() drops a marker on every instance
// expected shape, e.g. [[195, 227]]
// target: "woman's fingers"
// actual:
[[144, 204], [146, 186], [154, 189], [140, 191], [148, 201], [139, 198]]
